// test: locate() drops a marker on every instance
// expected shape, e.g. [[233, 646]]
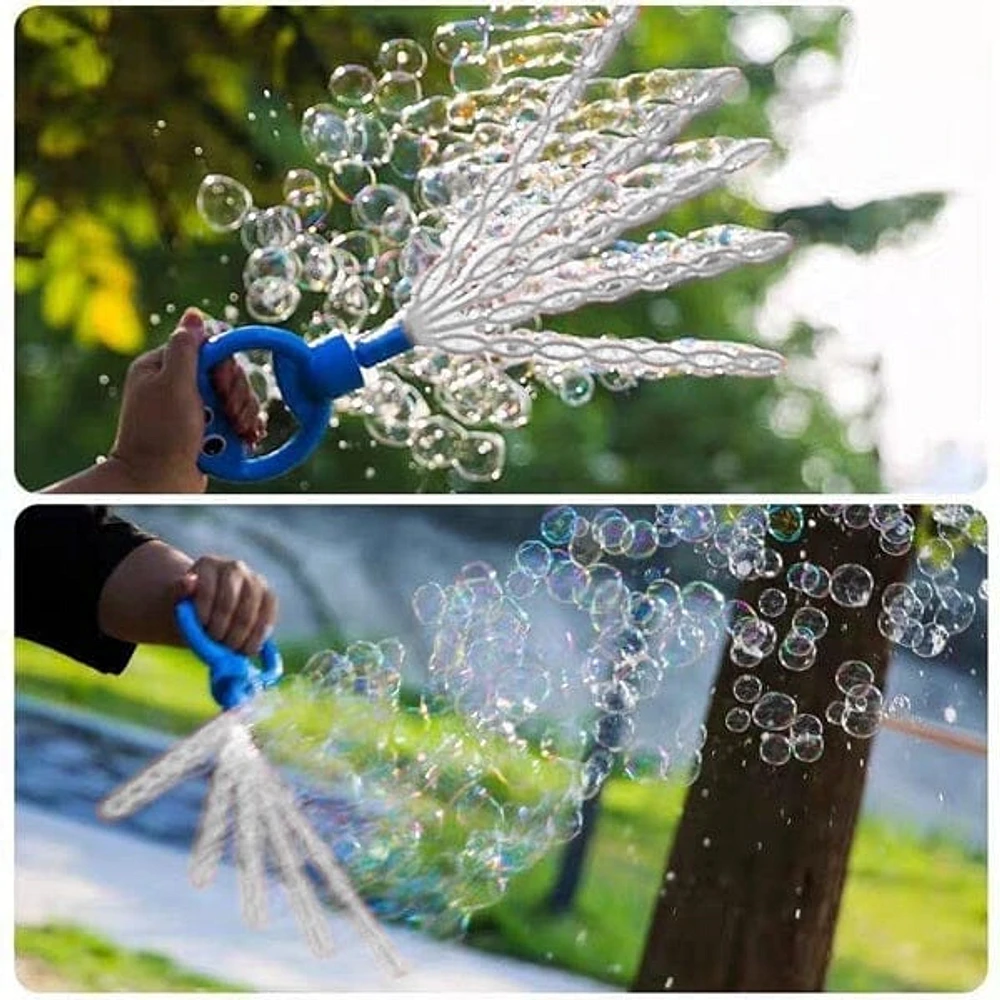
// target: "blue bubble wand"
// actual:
[[248, 802]]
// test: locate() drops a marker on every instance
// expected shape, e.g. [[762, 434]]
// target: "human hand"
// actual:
[[235, 605], [161, 422]]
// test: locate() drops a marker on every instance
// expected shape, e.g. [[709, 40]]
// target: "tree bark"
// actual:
[[752, 885]]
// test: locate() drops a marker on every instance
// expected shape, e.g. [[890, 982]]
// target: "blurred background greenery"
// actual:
[[121, 110]]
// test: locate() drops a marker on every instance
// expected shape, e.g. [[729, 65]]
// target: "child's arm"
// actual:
[[161, 421], [235, 605]]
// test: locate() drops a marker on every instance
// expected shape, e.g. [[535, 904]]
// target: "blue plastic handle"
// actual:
[[233, 677], [309, 376]]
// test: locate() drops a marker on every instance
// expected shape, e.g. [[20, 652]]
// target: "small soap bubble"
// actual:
[[351, 85], [851, 585], [785, 523], [935, 557], [775, 748], [223, 202], [774, 711], [772, 602], [797, 651], [810, 621], [747, 688], [558, 525], [737, 720], [403, 54]]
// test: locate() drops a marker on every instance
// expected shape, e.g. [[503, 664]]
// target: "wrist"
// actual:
[[157, 475]]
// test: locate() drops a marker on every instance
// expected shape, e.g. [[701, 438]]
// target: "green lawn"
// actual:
[[913, 915], [64, 958]]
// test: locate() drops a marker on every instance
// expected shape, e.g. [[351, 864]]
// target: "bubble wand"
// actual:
[[248, 801], [536, 233]]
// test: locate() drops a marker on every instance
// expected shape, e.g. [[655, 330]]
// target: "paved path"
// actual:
[[137, 893]]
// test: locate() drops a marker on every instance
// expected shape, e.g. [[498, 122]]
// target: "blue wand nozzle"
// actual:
[[309, 376], [233, 677]]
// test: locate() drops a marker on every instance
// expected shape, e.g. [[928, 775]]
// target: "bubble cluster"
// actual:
[[397, 171], [535, 678]]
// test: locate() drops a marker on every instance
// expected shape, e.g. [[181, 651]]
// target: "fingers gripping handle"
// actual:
[[233, 677], [309, 376]]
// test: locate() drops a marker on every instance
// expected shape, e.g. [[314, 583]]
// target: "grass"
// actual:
[[64, 958], [913, 915]]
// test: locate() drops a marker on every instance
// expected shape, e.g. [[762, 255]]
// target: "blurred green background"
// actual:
[[120, 112]]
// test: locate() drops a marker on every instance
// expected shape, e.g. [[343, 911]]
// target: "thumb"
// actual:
[[185, 586], [180, 362]]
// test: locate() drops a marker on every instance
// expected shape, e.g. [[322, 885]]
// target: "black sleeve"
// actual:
[[63, 556]]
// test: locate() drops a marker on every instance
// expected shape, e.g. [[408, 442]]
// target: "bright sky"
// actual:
[[910, 115]]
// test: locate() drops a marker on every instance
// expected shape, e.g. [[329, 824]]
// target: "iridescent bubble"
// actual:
[[272, 300], [851, 585], [385, 210], [436, 441], [614, 730], [851, 673], [785, 523], [533, 558], [956, 612], [403, 54], [645, 540], [274, 227], [317, 265], [900, 601], [693, 522], [775, 748], [223, 202], [702, 600], [806, 734], [774, 711], [351, 85], [772, 602], [856, 515], [411, 152], [568, 581], [932, 642], [558, 525], [863, 712], [737, 720], [797, 651], [325, 134], [935, 557], [396, 91], [305, 194], [371, 141], [810, 621], [480, 456], [835, 712], [747, 688], [348, 176]]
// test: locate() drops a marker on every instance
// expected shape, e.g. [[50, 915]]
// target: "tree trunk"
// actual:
[[752, 886]]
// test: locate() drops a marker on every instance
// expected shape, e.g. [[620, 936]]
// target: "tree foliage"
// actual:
[[121, 110]]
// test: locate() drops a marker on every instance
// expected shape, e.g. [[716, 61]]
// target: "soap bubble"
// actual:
[[351, 85], [325, 134], [747, 688], [785, 523], [863, 711], [385, 210], [370, 140], [737, 720], [810, 621], [851, 585], [774, 711], [272, 300], [797, 651], [558, 525], [403, 54], [304, 192], [775, 748], [851, 673], [396, 91], [900, 602], [223, 202], [348, 176], [772, 602], [534, 558], [935, 557]]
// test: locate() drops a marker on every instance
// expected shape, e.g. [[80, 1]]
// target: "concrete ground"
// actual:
[[137, 894]]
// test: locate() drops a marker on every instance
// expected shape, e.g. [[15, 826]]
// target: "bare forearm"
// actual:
[[137, 602], [117, 476]]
